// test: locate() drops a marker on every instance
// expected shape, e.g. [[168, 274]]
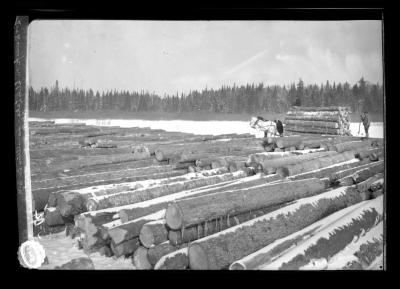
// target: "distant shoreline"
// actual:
[[196, 116]]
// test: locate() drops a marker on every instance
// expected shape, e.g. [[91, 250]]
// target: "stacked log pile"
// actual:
[[333, 120], [206, 208]]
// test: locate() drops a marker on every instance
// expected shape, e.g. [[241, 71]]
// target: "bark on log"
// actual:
[[140, 260], [313, 164], [353, 145], [121, 232], [187, 235], [344, 173], [140, 152], [155, 253], [270, 166], [370, 153], [321, 108], [367, 184], [53, 217], [177, 260], [125, 248], [318, 130], [313, 124], [220, 250], [321, 173], [255, 159], [267, 254], [57, 130], [153, 233], [189, 212], [331, 118], [238, 181], [331, 240], [126, 198]]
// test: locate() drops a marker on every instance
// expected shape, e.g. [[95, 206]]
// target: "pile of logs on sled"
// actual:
[[219, 203], [332, 120]]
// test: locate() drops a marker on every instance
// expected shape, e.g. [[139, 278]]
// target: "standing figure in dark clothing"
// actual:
[[366, 122], [279, 127]]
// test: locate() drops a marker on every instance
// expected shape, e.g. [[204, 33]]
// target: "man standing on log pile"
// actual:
[[366, 122], [279, 127]]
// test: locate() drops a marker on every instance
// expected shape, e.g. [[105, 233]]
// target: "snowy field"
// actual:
[[200, 127]]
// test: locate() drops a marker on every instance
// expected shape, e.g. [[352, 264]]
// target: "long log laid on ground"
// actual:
[[153, 233], [371, 154], [71, 129], [192, 211], [140, 260], [367, 184], [362, 174], [155, 253], [361, 253], [125, 198], [347, 172], [306, 123], [270, 166], [96, 169], [317, 250], [352, 145], [55, 153], [277, 248], [324, 172], [98, 177], [313, 164], [71, 202], [186, 235], [41, 196], [222, 249], [239, 181]]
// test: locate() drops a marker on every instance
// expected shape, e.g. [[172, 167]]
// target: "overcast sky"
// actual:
[[171, 56]]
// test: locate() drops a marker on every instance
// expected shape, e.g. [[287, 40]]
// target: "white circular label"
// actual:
[[32, 254]]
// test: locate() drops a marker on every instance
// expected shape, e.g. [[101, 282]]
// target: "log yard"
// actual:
[[137, 198]]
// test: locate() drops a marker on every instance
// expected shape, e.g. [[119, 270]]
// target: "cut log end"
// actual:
[[197, 257], [91, 205], [283, 172], [146, 237], [237, 266], [140, 260], [174, 217]]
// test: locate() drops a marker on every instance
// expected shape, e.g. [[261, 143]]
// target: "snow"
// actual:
[[340, 260], [163, 258], [201, 127], [376, 204], [305, 233]]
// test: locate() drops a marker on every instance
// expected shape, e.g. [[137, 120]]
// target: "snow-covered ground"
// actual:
[[201, 127]]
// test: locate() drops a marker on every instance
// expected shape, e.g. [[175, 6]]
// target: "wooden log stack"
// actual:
[[332, 120]]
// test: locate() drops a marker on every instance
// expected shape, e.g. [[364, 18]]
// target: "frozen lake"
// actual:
[[200, 127]]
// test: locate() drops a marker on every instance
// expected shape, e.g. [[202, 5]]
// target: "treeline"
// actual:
[[250, 98]]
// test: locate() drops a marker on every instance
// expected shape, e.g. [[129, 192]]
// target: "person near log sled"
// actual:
[[366, 122], [279, 127]]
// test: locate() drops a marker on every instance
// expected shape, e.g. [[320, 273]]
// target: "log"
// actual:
[[370, 153], [270, 166], [344, 173], [330, 118], [125, 198], [376, 185], [361, 253], [120, 232], [155, 253], [313, 124], [367, 184], [220, 250], [362, 175], [331, 240], [125, 248], [140, 260], [187, 235], [238, 181], [318, 130], [277, 248], [321, 108], [140, 153], [254, 159], [56, 130], [177, 260], [313, 164], [153, 233], [53, 217], [192, 211], [353, 145], [321, 173]]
